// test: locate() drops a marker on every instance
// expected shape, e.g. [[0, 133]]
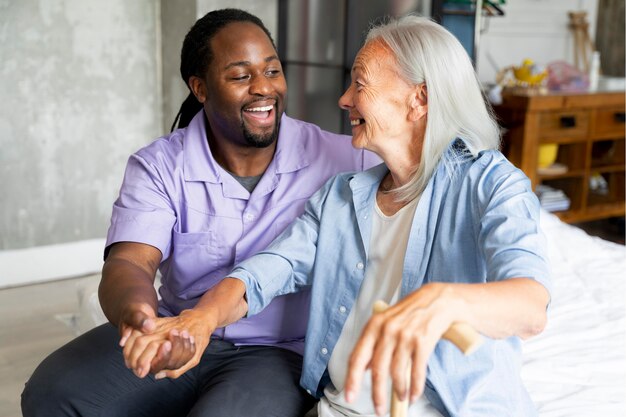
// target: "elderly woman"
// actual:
[[446, 229]]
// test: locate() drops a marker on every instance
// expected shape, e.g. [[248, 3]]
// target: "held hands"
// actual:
[[159, 346]]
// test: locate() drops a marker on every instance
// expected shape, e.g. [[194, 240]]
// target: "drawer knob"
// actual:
[[568, 121], [620, 117]]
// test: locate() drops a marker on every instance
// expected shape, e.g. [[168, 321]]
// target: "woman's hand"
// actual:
[[174, 346], [403, 336]]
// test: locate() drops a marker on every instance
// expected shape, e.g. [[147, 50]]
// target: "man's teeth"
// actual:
[[266, 108], [356, 122]]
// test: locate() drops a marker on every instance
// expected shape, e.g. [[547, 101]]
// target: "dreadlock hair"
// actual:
[[196, 54]]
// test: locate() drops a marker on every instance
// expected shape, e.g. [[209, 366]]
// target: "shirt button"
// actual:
[[324, 351], [359, 265], [342, 309], [249, 217]]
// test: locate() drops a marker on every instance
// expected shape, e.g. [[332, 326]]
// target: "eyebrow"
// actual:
[[356, 67], [248, 63]]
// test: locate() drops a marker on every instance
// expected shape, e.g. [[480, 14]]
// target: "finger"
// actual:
[[178, 348], [140, 321], [380, 365], [125, 334], [129, 344], [148, 325], [144, 360], [135, 350], [360, 360], [418, 373], [186, 352], [401, 366], [175, 373], [160, 361], [181, 351]]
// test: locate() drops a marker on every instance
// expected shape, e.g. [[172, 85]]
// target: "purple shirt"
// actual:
[[177, 198]]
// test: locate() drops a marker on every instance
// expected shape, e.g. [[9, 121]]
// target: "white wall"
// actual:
[[535, 29]]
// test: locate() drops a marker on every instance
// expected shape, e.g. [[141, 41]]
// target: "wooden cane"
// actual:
[[462, 335]]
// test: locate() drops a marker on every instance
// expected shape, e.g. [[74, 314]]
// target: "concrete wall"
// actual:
[[80, 91], [83, 83]]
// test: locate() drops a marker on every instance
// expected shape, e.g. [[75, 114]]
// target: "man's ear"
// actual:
[[198, 88], [418, 102]]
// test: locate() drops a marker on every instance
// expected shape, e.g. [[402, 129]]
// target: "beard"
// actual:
[[262, 140]]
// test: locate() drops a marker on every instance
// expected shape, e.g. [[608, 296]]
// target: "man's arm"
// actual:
[[126, 291]]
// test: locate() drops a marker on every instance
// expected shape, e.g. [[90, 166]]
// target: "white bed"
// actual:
[[577, 366]]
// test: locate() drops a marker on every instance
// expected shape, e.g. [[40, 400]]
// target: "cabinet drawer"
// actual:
[[573, 124], [609, 123]]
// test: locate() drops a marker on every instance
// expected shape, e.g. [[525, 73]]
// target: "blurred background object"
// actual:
[[317, 42]]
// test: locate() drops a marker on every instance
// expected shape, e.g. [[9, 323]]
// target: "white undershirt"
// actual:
[[383, 276]]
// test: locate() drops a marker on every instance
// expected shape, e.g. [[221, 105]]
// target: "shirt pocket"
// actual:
[[198, 262]]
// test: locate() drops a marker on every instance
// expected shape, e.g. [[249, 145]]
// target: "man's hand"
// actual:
[[136, 318], [172, 348]]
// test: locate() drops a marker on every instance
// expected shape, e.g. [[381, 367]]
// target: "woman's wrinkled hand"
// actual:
[[396, 340]]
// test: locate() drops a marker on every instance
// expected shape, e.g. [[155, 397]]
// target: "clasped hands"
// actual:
[[401, 337], [164, 346]]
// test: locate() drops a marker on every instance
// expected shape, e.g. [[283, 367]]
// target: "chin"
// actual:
[[261, 140], [358, 143]]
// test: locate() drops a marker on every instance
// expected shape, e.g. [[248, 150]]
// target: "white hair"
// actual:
[[428, 53]]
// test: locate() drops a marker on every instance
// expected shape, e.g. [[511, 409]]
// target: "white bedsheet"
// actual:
[[577, 366]]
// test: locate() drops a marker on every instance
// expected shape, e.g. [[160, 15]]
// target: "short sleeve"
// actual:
[[143, 212]]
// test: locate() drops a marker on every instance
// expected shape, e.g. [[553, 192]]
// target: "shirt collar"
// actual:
[[199, 164], [368, 178]]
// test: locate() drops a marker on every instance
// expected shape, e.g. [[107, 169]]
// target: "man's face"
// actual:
[[245, 85]]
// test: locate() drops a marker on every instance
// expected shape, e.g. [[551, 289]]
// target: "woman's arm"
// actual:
[[284, 267], [408, 331]]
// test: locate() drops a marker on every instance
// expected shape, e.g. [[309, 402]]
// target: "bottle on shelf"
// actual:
[[594, 71]]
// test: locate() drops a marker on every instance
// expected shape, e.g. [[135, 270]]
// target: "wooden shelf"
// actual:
[[589, 129], [577, 173]]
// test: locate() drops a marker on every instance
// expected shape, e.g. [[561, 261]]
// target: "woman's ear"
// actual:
[[198, 88], [418, 102]]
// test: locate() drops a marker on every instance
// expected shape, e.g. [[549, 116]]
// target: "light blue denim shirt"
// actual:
[[480, 224]]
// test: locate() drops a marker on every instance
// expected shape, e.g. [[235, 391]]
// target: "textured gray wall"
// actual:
[[79, 92]]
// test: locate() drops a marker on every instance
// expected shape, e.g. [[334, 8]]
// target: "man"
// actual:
[[193, 204]]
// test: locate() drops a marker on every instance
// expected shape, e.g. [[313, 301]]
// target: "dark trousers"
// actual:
[[87, 377]]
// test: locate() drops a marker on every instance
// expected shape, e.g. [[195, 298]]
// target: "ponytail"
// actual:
[[190, 107]]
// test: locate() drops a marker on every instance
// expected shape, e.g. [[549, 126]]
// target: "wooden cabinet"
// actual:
[[589, 131]]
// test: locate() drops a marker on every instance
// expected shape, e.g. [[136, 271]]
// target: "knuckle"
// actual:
[[390, 328]]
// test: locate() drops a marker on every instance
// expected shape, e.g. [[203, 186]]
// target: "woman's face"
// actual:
[[381, 103]]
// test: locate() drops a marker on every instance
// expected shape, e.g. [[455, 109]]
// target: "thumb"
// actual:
[[141, 321]]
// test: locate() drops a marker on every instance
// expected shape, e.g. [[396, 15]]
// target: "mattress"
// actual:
[[577, 366]]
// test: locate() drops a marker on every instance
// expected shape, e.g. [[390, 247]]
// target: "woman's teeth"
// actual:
[[356, 122]]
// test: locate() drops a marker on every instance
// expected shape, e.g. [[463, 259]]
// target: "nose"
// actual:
[[345, 101], [260, 85]]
